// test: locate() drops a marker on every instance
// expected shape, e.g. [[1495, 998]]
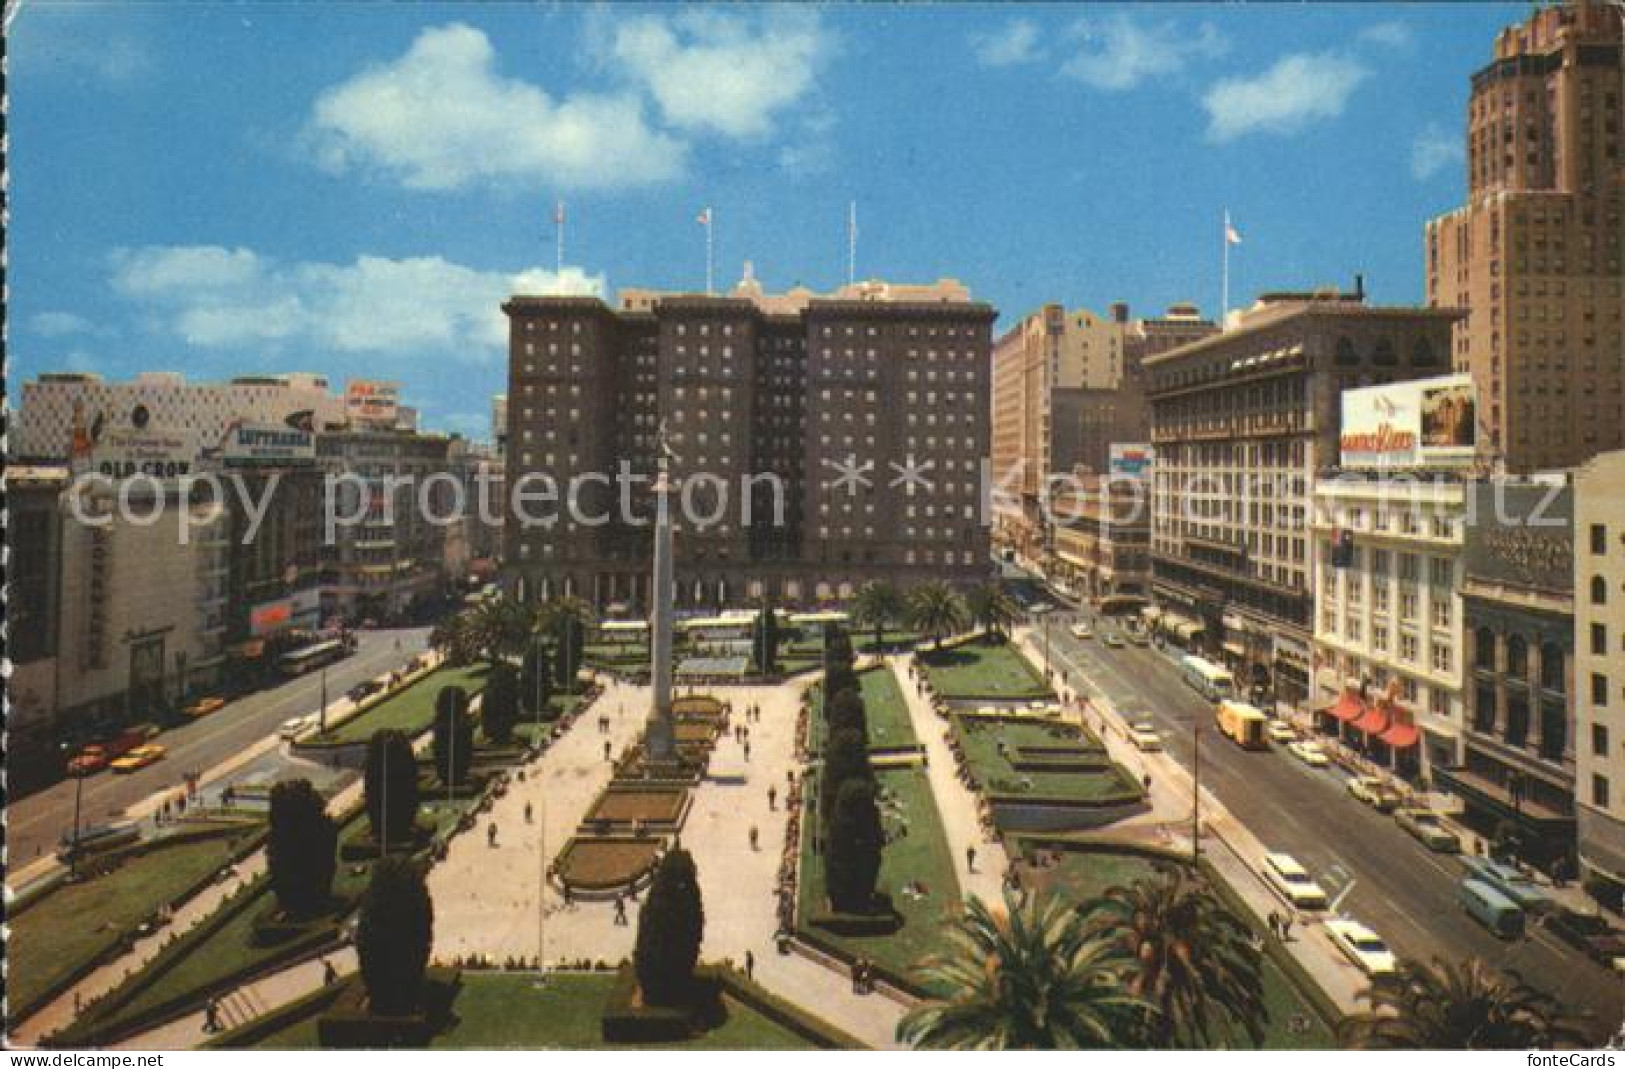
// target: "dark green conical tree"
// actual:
[[392, 775], [393, 937], [846, 757], [671, 926], [853, 847], [453, 735], [845, 711], [766, 649], [499, 706], [301, 853], [536, 679]]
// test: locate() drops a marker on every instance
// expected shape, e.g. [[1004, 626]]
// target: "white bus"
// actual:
[[1207, 678]]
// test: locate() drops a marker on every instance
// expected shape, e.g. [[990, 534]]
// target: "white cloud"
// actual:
[[441, 117], [57, 324], [75, 41], [1285, 99], [720, 72], [1434, 149], [374, 306], [1120, 52], [1013, 45], [1395, 35]]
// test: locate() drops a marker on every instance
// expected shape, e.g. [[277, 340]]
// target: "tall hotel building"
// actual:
[[855, 425], [1242, 421], [1536, 253]]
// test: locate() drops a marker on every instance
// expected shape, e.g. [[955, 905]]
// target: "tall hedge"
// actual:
[[499, 707], [536, 680], [846, 757], [853, 847], [394, 935], [392, 775], [845, 711], [453, 735], [302, 850], [671, 926]]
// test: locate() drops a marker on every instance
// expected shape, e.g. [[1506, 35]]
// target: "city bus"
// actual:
[[1207, 678], [1243, 724], [308, 658]]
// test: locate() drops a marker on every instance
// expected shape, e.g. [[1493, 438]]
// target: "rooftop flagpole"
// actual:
[[1230, 237], [852, 243], [705, 220], [558, 225]]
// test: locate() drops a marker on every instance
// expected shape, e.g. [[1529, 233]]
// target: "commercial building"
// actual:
[[1599, 664], [33, 615], [1101, 543], [393, 497], [1518, 760], [1067, 386], [854, 426], [1241, 423], [57, 406], [1535, 254]]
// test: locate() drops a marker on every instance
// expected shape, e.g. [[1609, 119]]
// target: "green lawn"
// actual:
[[497, 1011], [975, 669], [76, 922], [922, 856], [863, 638], [1082, 876], [980, 738], [889, 722], [412, 710]]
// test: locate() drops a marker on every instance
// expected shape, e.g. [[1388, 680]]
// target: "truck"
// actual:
[[1243, 724], [95, 756]]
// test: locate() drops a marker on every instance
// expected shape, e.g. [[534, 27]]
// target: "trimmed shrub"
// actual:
[[392, 776], [453, 735], [301, 853], [499, 708], [536, 680], [846, 757], [844, 711], [852, 848], [670, 927], [393, 937]]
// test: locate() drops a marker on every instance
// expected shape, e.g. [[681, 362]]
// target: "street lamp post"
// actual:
[[321, 714], [1196, 791], [78, 801]]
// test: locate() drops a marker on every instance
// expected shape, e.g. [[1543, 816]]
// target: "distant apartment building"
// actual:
[[56, 405], [1518, 760], [1241, 423], [1101, 545], [1535, 254], [855, 425], [1067, 385], [393, 500], [1599, 664], [499, 422]]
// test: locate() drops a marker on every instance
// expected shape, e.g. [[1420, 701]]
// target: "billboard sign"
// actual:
[[267, 443], [301, 609], [1425, 423], [1130, 459], [372, 402], [160, 454]]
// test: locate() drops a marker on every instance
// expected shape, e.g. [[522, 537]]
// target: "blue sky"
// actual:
[[230, 188]]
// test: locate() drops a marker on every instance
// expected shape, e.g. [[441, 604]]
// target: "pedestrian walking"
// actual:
[[747, 749], [606, 749], [211, 1016], [620, 910], [772, 798], [753, 836], [1286, 927], [527, 813], [970, 858], [750, 965], [329, 973], [491, 834]]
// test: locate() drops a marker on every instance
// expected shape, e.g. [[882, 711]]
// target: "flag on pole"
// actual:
[[1232, 236], [704, 217], [558, 214]]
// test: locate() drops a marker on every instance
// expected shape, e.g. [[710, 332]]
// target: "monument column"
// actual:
[[660, 739]]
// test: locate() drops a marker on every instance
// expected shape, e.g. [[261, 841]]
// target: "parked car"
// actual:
[[364, 689], [204, 706], [96, 756], [1082, 631], [1291, 881], [1139, 638], [1281, 731], [295, 726], [1428, 828], [1144, 736], [1362, 946], [1374, 792], [1588, 932], [140, 757], [1310, 753], [1114, 640]]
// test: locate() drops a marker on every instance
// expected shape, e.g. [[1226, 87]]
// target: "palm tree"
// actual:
[[568, 619], [457, 638], [1191, 958], [1459, 1006], [877, 604], [992, 606], [936, 609], [502, 626], [1029, 977]]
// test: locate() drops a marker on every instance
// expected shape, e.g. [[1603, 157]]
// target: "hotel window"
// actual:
[[1441, 657], [1599, 689], [1599, 639], [1599, 791], [1441, 611], [1407, 646], [1599, 539], [1599, 740]]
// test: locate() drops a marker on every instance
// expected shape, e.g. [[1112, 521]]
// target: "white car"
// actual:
[[1291, 881], [1082, 631], [292, 729], [1310, 754], [1144, 736], [1362, 946], [1281, 731]]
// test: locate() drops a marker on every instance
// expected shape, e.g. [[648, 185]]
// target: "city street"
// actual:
[[1402, 890], [36, 823]]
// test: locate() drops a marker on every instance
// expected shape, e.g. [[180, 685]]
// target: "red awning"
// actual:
[[1374, 722], [1348, 706], [1400, 736]]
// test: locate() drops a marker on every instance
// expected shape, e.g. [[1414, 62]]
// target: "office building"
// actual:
[[1599, 664]]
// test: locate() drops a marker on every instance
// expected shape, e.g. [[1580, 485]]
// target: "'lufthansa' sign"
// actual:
[[260, 443]]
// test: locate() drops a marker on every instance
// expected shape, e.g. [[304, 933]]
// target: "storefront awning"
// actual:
[[1373, 722], [1400, 736], [1151, 612], [1235, 649], [1348, 707]]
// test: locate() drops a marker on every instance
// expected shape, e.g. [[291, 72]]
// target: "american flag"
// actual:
[[704, 218], [1231, 234], [558, 214]]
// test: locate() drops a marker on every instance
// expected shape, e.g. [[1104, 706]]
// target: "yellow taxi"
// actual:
[[140, 757]]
